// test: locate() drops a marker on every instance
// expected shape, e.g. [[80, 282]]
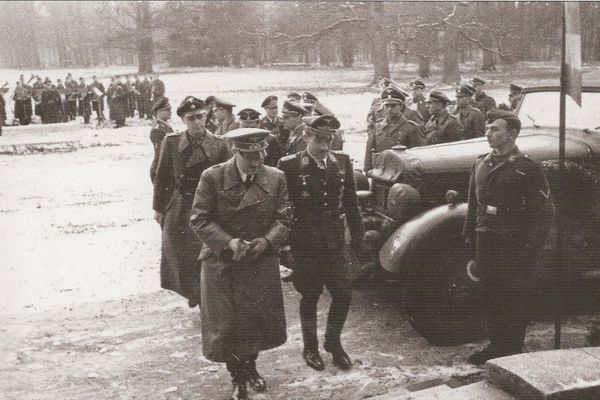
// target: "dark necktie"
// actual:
[[248, 181]]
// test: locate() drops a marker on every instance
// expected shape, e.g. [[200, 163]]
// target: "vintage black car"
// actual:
[[414, 211]]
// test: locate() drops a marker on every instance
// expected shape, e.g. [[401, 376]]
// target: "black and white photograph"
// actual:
[[290, 200]]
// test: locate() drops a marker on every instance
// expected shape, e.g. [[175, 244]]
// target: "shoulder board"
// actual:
[[412, 122], [176, 133], [290, 157]]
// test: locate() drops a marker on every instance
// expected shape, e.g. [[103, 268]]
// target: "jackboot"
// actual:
[[310, 354], [256, 381], [238, 381], [333, 345]]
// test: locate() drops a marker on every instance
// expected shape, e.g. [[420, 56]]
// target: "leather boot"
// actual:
[[333, 345], [238, 381], [310, 354], [256, 381]]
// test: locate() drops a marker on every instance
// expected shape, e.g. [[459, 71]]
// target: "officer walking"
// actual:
[[241, 213], [510, 211], [485, 102], [292, 121], [393, 130], [322, 192], [183, 157], [441, 127], [470, 119], [160, 129]]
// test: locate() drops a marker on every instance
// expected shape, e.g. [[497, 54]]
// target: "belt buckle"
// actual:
[[491, 210]]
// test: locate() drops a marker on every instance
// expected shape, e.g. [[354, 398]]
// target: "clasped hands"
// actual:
[[247, 251]]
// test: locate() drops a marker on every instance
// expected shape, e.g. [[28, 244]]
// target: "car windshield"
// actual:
[[542, 109]]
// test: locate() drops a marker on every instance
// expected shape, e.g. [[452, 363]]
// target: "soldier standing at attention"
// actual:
[[292, 122], [486, 103], [470, 119], [418, 100], [441, 127], [98, 93], [322, 192], [241, 213], [161, 128], [223, 112], [271, 121], [183, 157], [510, 211], [393, 130]]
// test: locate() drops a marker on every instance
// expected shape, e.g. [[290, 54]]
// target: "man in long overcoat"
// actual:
[[241, 214], [183, 158], [116, 102], [160, 129]]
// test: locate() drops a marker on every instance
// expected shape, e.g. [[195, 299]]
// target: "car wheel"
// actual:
[[443, 300]]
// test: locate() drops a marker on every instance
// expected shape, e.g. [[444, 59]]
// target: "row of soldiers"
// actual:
[[55, 102], [395, 118]]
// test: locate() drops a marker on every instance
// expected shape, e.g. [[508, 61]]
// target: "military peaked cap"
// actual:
[[223, 104], [293, 108], [324, 125], [190, 103], [249, 114], [477, 81], [294, 96], [391, 95], [417, 84], [248, 139], [384, 82], [161, 104], [209, 99], [309, 98], [464, 90], [515, 88], [269, 101], [438, 97]]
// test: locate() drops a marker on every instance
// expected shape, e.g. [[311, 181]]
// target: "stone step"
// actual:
[[401, 393], [572, 374]]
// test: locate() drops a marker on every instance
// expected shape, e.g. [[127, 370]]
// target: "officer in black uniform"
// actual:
[[160, 129], [323, 193], [470, 119], [510, 211], [485, 102]]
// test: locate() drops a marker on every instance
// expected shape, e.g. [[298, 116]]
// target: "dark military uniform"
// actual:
[[471, 121], [269, 124], [295, 142], [413, 115], [486, 103], [442, 129], [98, 99], [322, 198], [225, 126], [182, 160], [51, 106], [421, 107], [157, 134], [72, 89], [22, 99], [389, 133], [510, 210]]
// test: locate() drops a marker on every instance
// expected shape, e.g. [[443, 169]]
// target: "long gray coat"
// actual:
[[242, 304], [179, 168]]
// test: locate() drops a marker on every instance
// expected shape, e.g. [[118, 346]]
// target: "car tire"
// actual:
[[443, 299]]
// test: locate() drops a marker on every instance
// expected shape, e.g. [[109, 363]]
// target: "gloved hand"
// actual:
[[257, 247], [240, 249]]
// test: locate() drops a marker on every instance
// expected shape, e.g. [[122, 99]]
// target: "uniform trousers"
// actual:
[[313, 271], [505, 265]]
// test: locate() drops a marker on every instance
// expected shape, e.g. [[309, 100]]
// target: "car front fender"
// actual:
[[407, 244]]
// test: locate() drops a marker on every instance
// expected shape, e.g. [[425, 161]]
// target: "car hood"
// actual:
[[406, 165]]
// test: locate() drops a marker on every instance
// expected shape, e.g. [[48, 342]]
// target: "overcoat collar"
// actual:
[[207, 150], [512, 157], [256, 193]]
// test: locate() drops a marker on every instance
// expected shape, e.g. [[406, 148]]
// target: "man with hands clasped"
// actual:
[[241, 213]]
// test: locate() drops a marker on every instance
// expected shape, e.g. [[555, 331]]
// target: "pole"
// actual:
[[561, 170]]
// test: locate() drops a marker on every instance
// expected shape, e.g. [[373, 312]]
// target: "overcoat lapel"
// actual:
[[257, 192]]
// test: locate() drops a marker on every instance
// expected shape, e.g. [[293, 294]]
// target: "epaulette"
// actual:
[[412, 122], [289, 157], [176, 133]]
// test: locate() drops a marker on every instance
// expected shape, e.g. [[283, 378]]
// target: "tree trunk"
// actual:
[[379, 42], [424, 67], [451, 73], [145, 43], [324, 52], [347, 50]]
